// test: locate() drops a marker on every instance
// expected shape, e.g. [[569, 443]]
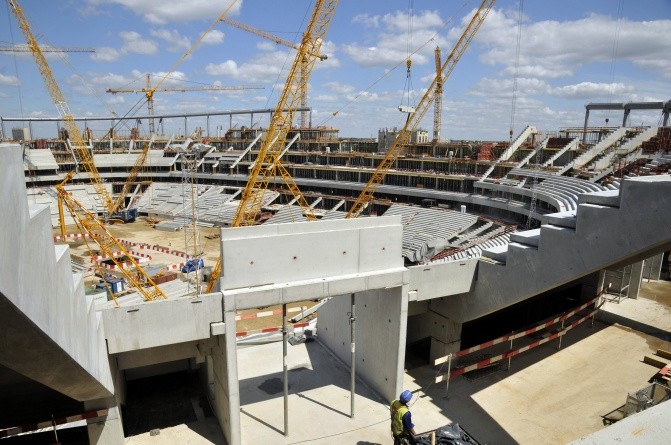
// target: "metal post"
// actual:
[[561, 336], [285, 338], [449, 370], [207, 126], [185, 134], [510, 357], [352, 321]]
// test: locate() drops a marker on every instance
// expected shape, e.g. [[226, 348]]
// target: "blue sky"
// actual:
[[572, 52]]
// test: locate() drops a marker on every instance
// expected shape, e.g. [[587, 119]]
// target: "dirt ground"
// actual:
[[141, 231]]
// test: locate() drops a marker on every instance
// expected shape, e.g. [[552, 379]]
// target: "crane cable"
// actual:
[[389, 71], [517, 70], [16, 66], [407, 88]]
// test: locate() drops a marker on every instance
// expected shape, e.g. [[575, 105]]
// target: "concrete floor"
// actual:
[[548, 396]]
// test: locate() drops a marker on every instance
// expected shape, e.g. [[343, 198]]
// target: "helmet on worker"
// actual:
[[405, 397]]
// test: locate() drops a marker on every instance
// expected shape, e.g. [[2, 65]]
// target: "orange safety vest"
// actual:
[[397, 410]]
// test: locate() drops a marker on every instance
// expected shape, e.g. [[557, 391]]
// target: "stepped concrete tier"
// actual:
[[608, 228], [593, 152]]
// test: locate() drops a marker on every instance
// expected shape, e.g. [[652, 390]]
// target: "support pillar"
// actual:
[[652, 269], [584, 130], [226, 391], [107, 431], [635, 279]]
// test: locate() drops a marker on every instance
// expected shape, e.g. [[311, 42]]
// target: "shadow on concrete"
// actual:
[[458, 403], [643, 328], [303, 379], [266, 424]]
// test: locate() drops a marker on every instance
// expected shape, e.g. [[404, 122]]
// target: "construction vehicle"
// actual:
[[414, 118], [267, 163]]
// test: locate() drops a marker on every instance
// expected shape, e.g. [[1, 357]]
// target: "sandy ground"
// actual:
[[142, 232]]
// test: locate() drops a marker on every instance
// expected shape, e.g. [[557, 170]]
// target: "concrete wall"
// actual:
[[226, 388], [160, 323], [440, 279], [56, 338], [381, 317]]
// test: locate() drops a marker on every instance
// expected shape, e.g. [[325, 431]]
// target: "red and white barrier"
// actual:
[[513, 353], [273, 329], [509, 337], [50, 423], [72, 236], [267, 313]]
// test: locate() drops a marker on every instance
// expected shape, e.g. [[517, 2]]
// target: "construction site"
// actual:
[[241, 284]]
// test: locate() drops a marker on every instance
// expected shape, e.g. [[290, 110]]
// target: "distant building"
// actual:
[[21, 134]]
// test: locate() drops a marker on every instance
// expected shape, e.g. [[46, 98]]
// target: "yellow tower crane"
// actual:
[[87, 222], [81, 151], [149, 91], [26, 49], [403, 137], [268, 162], [438, 99], [280, 41]]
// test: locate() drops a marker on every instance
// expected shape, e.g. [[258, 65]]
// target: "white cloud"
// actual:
[[552, 48], [178, 42], [106, 54], [367, 20], [134, 43], [339, 88], [266, 46], [176, 11], [265, 68], [389, 47], [214, 37], [590, 90], [9, 80]]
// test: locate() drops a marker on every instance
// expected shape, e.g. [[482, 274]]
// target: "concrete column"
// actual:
[[652, 267], [584, 132], [107, 431], [635, 279], [226, 401]]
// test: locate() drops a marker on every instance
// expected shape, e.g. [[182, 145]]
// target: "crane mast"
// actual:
[[438, 100], [282, 119], [403, 137], [79, 146], [267, 162]]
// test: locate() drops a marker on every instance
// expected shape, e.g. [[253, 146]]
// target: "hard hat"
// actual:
[[405, 397]]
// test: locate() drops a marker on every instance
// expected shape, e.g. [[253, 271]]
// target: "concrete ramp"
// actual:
[[49, 329], [608, 228]]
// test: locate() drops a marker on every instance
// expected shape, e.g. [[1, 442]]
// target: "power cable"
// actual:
[[517, 69]]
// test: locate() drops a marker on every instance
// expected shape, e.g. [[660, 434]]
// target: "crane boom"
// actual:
[[282, 119], [25, 49], [89, 224], [266, 35], [85, 157], [280, 124], [403, 137], [185, 89]]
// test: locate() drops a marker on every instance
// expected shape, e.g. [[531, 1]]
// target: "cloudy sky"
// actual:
[[571, 52]]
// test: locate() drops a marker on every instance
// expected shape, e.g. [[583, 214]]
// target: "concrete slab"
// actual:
[[552, 396], [319, 400]]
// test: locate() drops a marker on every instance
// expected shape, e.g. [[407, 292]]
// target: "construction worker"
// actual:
[[401, 420]]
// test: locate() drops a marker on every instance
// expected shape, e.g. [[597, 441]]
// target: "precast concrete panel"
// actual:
[[286, 253], [442, 279], [160, 323]]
